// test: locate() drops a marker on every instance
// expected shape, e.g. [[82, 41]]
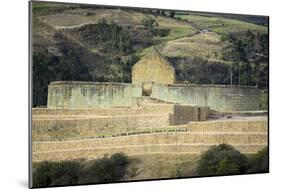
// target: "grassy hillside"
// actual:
[[255, 19], [205, 45], [221, 25]]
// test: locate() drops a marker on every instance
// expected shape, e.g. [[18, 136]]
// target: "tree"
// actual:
[[47, 68], [44, 67], [107, 36], [222, 160], [250, 50], [163, 13], [150, 24], [233, 52], [172, 14]]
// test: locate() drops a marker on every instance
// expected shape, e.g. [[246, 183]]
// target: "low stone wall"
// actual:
[[229, 126], [93, 153], [156, 138], [144, 109]]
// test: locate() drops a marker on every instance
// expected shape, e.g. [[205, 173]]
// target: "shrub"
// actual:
[[150, 24], [107, 169], [259, 162], [56, 173], [172, 14], [222, 160]]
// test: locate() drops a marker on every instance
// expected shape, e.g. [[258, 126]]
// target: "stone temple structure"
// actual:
[[152, 115], [153, 68], [153, 78]]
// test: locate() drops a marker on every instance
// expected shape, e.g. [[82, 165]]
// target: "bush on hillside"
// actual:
[[222, 160], [150, 24], [259, 162], [107, 169], [56, 174]]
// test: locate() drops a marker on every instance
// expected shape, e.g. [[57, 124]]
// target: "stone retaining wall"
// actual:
[[92, 153], [144, 109], [246, 136], [66, 127], [156, 138], [60, 129], [59, 124], [229, 126]]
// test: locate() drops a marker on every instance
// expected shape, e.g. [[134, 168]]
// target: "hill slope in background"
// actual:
[[96, 43]]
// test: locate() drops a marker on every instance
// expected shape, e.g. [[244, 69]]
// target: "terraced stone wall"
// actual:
[[246, 136], [60, 124]]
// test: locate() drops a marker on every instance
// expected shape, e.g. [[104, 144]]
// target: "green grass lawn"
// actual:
[[179, 32]]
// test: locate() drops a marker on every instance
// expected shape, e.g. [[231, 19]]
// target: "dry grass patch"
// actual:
[[205, 45]]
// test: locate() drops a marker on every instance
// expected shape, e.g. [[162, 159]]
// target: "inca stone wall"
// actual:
[[157, 138], [144, 109], [93, 153], [246, 136], [74, 94], [151, 115], [97, 95], [89, 133], [57, 124], [154, 77], [220, 98], [153, 68], [72, 127]]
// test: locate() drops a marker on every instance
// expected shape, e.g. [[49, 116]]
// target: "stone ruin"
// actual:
[[153, 114], [153, 79]]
